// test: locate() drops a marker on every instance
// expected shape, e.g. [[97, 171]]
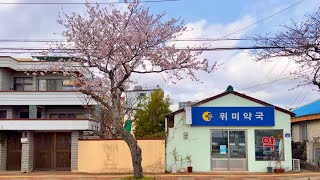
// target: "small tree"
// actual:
[[150, 119], [299, 42], [112, 45]]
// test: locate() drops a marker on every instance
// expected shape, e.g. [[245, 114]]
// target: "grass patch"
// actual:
[[144, 178]]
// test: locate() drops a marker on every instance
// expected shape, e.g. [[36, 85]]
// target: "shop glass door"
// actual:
[[219, 149], [228, 150]]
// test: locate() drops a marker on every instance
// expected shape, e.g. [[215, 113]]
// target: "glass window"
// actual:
[[269, 145], [237, 144], [27, 87], [55, 84], [71, 116], [80, 116], [64, 116], [23, 84], [38, 114], [68, 85], [51, 85], [53, 116], [219, 142], [24, 114], [3, 113], [19, 80], [42, 84], [303, 132]]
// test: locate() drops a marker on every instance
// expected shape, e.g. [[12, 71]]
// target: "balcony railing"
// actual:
[[44, 98], [49, 124]]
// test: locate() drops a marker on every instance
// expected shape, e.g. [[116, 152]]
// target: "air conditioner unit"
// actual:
[[296, 164], [188, 115]]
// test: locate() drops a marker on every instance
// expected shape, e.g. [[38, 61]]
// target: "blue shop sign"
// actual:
[[232, 116]]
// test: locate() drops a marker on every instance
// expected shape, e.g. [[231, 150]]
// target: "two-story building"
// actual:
[[42, 117]]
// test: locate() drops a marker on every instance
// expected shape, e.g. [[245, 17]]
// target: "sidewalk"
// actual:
[[185, 176]]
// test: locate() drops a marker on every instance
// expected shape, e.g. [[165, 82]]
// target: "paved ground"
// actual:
[[185, 176]]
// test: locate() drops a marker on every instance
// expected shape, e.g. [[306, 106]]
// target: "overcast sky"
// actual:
[[208, 19]]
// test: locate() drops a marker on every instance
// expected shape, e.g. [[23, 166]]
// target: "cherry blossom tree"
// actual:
[[299, 42], [113, 44]]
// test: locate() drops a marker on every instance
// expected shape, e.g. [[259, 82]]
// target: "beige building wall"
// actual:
[[313, 130], [113, 156]]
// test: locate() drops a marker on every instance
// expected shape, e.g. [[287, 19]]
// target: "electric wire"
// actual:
[[268, 17], [276, 78], [80, 3]]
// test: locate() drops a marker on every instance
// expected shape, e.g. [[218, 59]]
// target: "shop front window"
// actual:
[[269, 145]]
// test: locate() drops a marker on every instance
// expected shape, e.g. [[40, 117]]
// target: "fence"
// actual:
[[113, 156]]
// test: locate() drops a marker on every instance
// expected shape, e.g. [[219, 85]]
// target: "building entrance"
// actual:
[[228, 150], [52, 151]]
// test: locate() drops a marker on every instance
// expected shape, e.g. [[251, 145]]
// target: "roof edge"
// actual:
[[238, 94], [309, 117]]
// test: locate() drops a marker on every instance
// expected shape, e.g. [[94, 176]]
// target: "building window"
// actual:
[[24, 114], [3, 114], [66, 116], [269, 145], [38, 114], [55, 85], [23, 84], [303, 132]]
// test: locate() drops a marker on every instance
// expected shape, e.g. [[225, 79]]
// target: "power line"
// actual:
[[293, 102], [179, 48], [305, 95], [79, 3], [272, 68], [191, 39], [273, 81], [173, 40], [268, 17], [257, 85]]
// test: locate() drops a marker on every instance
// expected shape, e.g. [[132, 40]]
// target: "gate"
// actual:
[[52, 151], [14, 151], [43, 143]]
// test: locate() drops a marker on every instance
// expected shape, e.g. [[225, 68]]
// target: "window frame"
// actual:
[[66, 84], [303, 136], [24, 112], [67, 115], [283, 144], [23, 83], [6, 112]]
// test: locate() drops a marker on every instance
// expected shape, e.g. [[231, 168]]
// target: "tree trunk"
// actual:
[[127, 137], [135, 150]]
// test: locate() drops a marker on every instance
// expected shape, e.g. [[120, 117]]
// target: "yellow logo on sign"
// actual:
[[207, 116]]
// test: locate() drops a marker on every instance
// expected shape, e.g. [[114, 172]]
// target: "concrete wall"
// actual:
[[75, 135], [113, 156], [3, 156], [5, 79], [198, 142], [27, 152]]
